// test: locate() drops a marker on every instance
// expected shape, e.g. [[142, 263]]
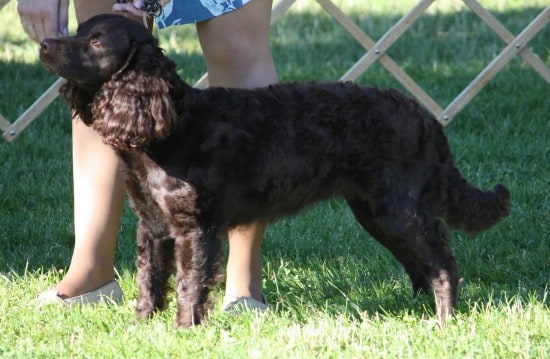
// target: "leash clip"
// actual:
[[152, 8]]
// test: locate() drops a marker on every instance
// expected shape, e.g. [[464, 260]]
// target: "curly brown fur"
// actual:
[[201, 161]]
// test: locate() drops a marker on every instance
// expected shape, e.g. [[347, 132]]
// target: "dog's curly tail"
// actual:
[[473, 210]]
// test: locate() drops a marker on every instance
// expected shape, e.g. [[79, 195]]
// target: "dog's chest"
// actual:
[[150, 187]]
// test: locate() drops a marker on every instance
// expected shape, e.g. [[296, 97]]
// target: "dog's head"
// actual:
[[119, 80], [102, 46]]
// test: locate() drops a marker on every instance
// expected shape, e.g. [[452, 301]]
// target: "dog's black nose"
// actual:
[[44, 45]]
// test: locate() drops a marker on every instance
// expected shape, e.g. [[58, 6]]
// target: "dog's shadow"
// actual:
[[322, 261]]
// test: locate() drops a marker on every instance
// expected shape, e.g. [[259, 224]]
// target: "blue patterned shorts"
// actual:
[[179, 12]]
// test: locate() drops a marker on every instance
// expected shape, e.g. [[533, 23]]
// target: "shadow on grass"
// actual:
[[323, 261], [327, 271]]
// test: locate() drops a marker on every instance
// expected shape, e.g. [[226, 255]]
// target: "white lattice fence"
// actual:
[[375, 51]]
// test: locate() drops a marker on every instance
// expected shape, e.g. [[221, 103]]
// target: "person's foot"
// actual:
[[233, 304], [109, 293]]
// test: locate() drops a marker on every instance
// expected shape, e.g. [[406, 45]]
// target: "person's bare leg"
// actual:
[[237, 54], [236, 47], [98, 203], [98, 198]]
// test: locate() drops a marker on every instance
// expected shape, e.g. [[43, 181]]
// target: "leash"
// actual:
[[152, 8]]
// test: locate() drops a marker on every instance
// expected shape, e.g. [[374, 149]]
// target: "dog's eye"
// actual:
[[96, 43]]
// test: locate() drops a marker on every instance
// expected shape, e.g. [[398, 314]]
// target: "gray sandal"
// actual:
[[243, 303], [109, 293]]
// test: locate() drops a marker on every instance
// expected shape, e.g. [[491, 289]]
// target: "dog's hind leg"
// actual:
[[363, 214], [154, 266], [420, 243], [197, 258], [441, 267]]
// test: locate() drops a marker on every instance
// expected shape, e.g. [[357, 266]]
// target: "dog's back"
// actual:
[[280, 148]]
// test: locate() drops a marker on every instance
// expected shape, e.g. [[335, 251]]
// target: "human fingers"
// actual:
[[63, 19], [27, 18], [39, 18], [131, 8]]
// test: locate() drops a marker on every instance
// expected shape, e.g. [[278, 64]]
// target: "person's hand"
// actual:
[[44, 18], [133, 7]]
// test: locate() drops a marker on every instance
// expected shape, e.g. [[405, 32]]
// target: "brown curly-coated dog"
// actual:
[[201, 161]]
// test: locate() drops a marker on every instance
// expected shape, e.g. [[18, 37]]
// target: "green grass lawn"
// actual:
[[334, 292]]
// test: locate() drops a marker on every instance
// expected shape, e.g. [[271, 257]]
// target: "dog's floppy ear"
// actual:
[[135, 108], [79, 101]]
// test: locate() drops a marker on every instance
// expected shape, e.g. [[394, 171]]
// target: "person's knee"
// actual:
[[237, 41], [239, 61], [236, 50]]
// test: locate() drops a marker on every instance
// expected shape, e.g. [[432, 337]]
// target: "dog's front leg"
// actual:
[[197, 257], [154, 266]]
